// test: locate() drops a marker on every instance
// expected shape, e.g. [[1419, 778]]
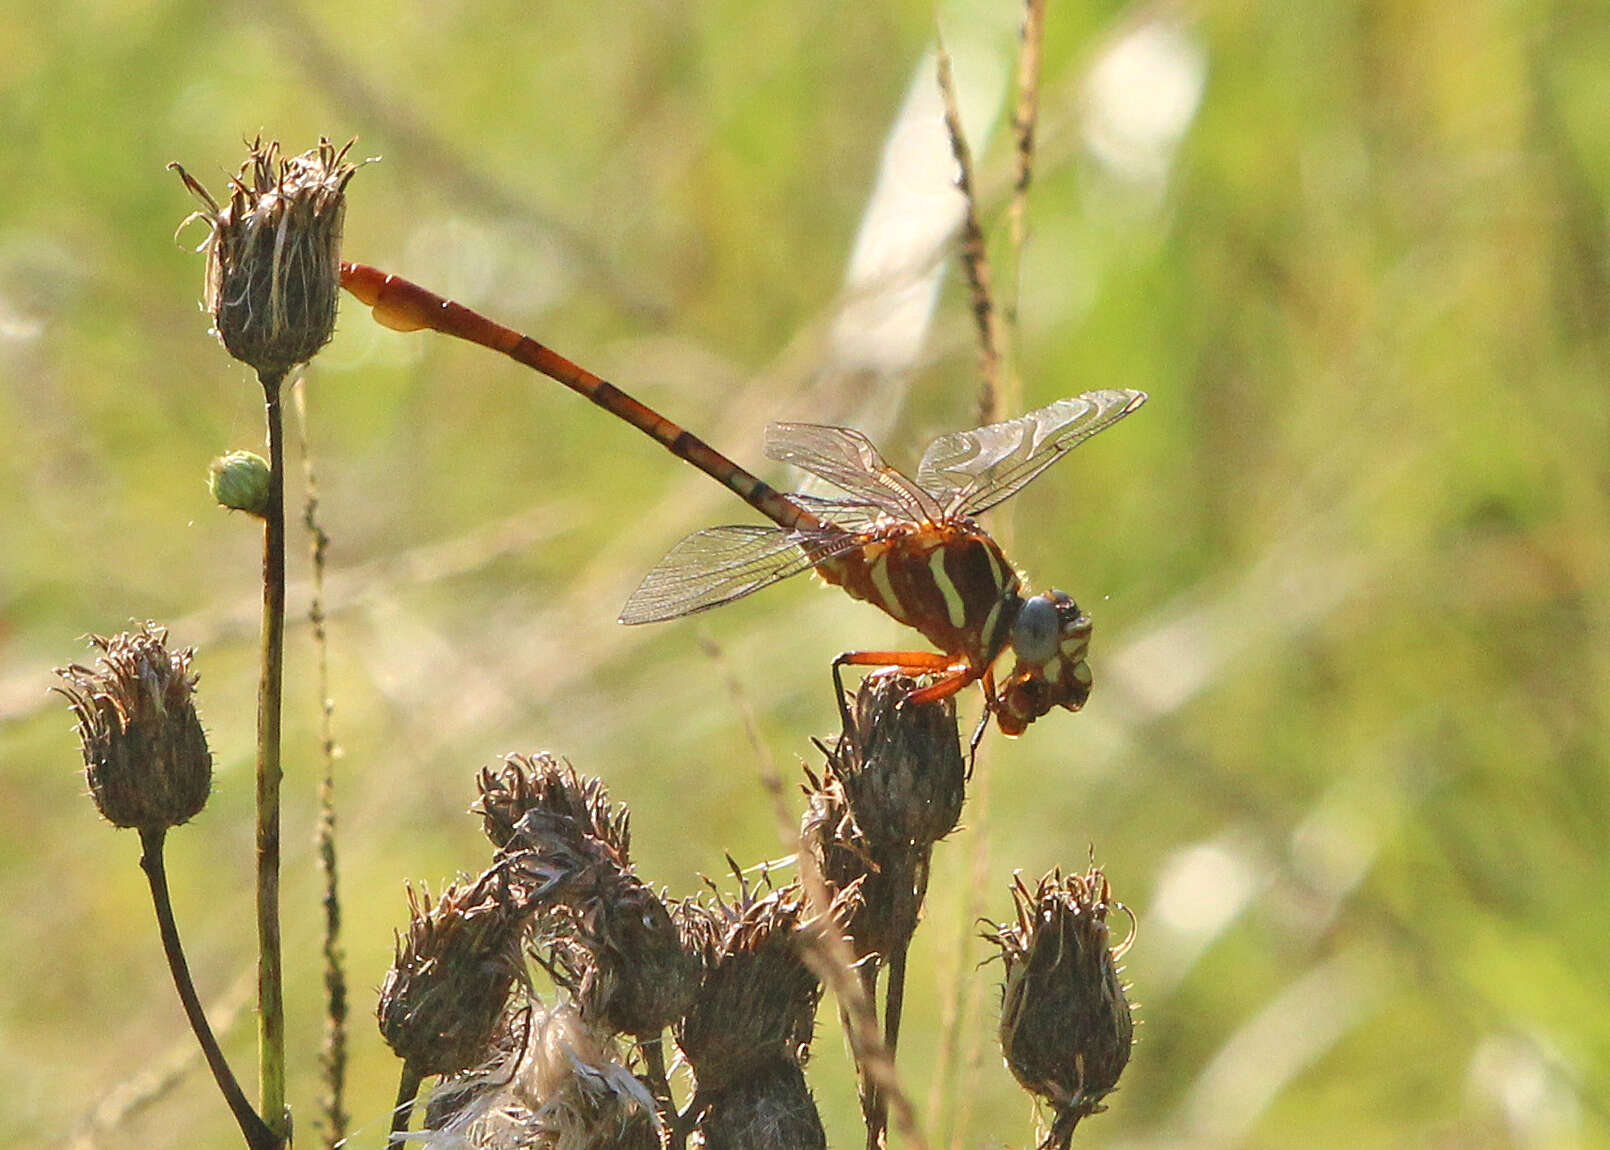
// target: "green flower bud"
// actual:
[[240, 481]]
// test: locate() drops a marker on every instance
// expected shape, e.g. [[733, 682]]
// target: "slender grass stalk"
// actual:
[[270, 974], [1025, 124], [974, 251], [333, 1058], [257, 1134]]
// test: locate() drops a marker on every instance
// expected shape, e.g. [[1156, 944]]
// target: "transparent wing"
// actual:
[[972, 471], [720, 564], [848, 460]]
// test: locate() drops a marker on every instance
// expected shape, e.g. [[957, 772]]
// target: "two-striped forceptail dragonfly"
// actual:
[[908, 546]]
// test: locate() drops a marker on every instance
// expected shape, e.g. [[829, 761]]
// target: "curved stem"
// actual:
[[270, 993], [258, 1135]]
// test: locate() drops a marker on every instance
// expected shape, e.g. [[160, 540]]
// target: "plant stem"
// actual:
[[270, 993], [654, 1060], [874, 1107], [258, 1135], [407, 1091]]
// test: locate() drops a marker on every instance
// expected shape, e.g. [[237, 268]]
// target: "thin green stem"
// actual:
[[258, 1135], [270, 991]]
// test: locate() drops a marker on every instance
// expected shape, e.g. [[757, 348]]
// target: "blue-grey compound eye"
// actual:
[[1037, 633]]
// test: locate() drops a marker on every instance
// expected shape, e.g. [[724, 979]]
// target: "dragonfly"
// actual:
[[912, 547]]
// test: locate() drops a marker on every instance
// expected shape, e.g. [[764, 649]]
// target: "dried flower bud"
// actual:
[[542, 782], [901, 766], [274, 254], [614, 946], [1066, 1027], [240, 481], [895, 784], [444, 996], [599, 930], [770, 1107], [758, 1000], [144, 750]]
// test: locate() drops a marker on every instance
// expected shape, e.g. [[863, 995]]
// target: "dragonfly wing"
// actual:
[[848, 460], [720, 564], [972, 471]]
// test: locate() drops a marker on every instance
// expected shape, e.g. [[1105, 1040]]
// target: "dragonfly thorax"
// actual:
[[947, 580]]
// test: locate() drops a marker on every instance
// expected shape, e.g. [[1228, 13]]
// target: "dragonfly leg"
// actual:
[[955, 678], [983, 719]]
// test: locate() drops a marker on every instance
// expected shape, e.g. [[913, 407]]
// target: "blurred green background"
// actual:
[[1347, 753]]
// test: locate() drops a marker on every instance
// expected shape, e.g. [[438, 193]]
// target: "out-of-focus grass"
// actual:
[[1347, 753]]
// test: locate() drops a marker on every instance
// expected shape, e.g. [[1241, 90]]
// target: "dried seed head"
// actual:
[[1066, 1027], [901, 766], [443, 998], [758, 1000], [560, 1085], [599, 930], [769, 1106], [144, 750], [274, 254], [572, 804], [240, 481], [615, 948], [886, 885]]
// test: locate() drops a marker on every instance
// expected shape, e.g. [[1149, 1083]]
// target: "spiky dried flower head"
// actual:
[[901, 765], [543, 782], [882, 887], [443, 998], [1066, 1026], [241, 481], [614, 946], [145, 753], [274, 254], [769, 1107], [894, 786], [758, 1001], [600, 931]]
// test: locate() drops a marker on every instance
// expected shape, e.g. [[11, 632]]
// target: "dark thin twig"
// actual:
[[660, 1082], [874, 1106], [333, 1058], [407, 1090], [257, 1134], [974, 251], [270, 991]]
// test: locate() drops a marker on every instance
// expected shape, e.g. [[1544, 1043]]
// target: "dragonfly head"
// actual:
[[1050, 638]]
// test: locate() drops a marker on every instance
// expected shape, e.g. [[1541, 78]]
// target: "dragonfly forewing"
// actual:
[[971, 471], [847, 459]]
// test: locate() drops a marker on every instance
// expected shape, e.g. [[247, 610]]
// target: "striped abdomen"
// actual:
[[946, 580]]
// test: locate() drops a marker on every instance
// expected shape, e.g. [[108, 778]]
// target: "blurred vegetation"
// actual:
[[1350, 568]]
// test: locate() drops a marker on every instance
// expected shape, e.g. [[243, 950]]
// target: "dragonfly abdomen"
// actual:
[[948, 581]]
